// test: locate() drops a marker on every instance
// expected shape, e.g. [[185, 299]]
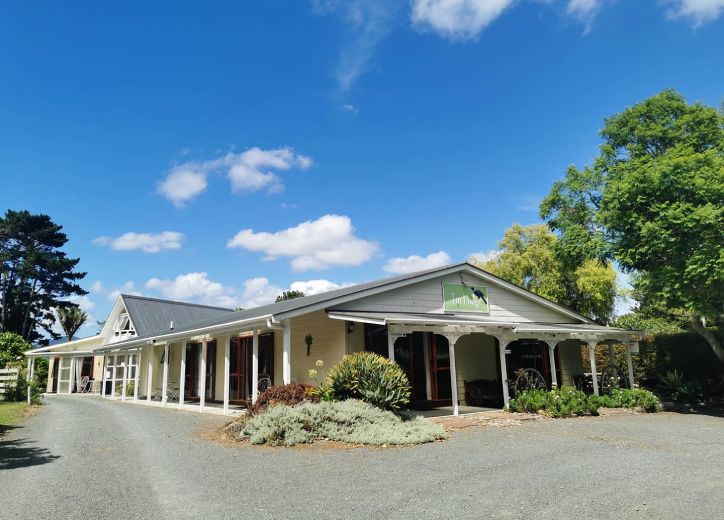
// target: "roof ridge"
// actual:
[[174, 302]]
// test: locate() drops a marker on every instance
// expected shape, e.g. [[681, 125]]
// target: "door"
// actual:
[[239, 369], [440, 368], [193, 367], [240, 365], [54, 375]]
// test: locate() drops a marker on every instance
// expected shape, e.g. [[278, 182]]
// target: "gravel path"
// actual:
[[87, 458]]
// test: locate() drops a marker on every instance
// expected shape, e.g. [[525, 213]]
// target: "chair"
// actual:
[[85, 385], [172, 394], [263, 384]]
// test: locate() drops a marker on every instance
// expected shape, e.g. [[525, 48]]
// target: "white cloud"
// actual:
[[259, 291], [183, 185], [127, 288], [319, 244], [698, 11], [457, 19], [584, 11], [194, 287], [482, 257], [146, 242], [350, 108], [366, 24], [310, 287], [252, 170], [97, 287], [414, 263]]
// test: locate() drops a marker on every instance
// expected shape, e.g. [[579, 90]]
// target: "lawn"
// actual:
[[11, 412]]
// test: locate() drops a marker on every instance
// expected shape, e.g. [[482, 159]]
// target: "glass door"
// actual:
[[440, 368]]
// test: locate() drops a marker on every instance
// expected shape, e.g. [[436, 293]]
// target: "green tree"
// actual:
[[289, 295], [71, 318], [529, 257], [12, 347], [36, 276], [655, 194]]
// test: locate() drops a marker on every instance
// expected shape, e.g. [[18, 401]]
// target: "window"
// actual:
[[123, 327]]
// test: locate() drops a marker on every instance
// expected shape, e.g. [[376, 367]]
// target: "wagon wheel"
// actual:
[[529, 379], [613, 377]]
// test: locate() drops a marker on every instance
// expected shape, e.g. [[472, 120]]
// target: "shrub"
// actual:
[[371, 378], [629, 398], [290, 395], [346, 421], [565, 402]]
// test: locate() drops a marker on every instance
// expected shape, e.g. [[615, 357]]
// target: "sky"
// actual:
[[221, 152]]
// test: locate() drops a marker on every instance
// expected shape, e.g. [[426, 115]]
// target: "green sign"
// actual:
[[465, 298]]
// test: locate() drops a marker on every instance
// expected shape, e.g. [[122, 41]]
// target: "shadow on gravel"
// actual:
[[20, 453]]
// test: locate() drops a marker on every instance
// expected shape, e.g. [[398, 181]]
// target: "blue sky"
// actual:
[[221, 151]]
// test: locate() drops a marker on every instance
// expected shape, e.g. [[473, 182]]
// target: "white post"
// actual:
[[105, 375], [502, 344], [113, 376], [125, 377], [202, 376], [182, 376], [149, 375], [227, 348], [164, 389], [72, 375], [254, 366], [31, 367], [552, 359], [136, 373], [592, 357], [629, 362], [452, 339], [391, 345], [287, 358], [426, 353]]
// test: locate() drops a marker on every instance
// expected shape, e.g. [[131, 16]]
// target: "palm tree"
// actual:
[[71, 319]]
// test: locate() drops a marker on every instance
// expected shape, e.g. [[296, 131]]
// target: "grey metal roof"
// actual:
[[281, 308], [153, 315]]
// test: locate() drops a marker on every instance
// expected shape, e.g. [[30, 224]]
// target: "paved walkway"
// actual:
[[88, 459]]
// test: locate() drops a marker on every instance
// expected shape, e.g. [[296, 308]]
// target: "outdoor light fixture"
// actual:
[[350, 327]]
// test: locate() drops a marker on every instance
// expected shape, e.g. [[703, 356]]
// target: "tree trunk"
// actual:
[[709, 336]]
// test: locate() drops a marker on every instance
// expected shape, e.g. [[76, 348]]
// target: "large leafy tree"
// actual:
[[528, 257], [36, 276], [655, 197], [71, 319]]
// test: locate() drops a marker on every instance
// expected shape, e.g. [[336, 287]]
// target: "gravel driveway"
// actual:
[[81, 457]]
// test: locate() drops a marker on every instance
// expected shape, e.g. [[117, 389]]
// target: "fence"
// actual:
[[8, 379]]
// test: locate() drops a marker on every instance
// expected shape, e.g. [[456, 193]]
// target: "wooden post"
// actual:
[[104, 378], [629, 362], [227, 348], [502, 344], [113, 376], [452, 340], [125, 377], [31, 368], [164, 390], [149, 375], [202, 376], [72, 375], [552, 359], [255, 366], [182, 376], [287, 358], [592, 357], [136, 373], [391, 345]]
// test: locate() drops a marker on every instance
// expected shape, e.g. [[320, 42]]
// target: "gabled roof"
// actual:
[[298, 306], [153, 315]]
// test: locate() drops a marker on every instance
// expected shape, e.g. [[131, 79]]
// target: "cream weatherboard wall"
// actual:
[[426, 297], [329, 344]]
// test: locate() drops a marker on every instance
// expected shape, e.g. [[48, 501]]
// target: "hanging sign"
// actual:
[[465, 298]]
